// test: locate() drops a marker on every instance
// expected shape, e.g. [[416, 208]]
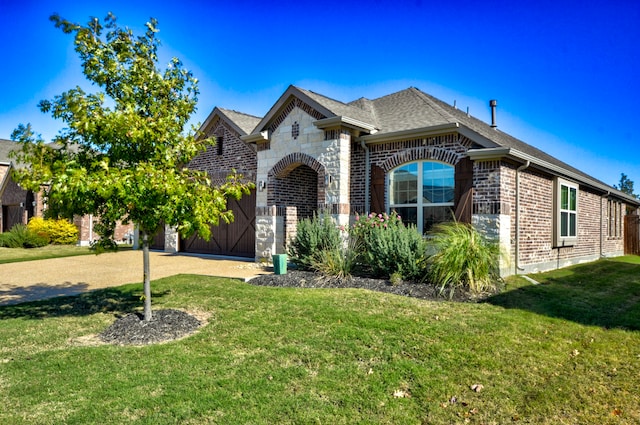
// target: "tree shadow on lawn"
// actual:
[[75, 302], [605, 293]]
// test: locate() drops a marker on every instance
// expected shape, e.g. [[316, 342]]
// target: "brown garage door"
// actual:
[[235, 239], [11, 215]]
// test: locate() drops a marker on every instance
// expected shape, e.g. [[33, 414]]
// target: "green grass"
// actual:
[[306, 356], [14, 255]]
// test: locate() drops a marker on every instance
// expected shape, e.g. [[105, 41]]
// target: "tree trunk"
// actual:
[[147, 280]]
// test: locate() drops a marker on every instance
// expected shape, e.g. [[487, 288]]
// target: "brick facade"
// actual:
[[312, 155], [229, 153]]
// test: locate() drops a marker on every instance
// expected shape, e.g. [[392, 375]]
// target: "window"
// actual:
[[295, 130], [566, 213], [219, 144], [422, 193], [615, 219]]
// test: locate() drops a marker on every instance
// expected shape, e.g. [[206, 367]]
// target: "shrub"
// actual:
[[20, 236], [389, 247], [57, 232], [463, 258], [340, 261], [313, 235]]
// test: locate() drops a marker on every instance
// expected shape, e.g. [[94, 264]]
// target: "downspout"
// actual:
[[90, 229], [521, 168], [367, 173], [601, 223]]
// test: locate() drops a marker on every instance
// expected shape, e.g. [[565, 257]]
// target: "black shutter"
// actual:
[[377, 189], [463, 197]]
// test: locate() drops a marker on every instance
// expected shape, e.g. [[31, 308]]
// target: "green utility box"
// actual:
[[280, 263]]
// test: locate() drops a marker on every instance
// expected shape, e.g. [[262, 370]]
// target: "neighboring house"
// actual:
[[414, 154], [19, 205]]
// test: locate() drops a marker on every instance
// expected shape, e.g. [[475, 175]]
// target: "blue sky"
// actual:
[[566, 74]]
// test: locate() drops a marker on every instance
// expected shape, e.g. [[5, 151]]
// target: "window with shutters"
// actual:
[[422, 193]]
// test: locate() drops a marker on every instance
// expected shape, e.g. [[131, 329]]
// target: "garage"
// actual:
[[234, 239]]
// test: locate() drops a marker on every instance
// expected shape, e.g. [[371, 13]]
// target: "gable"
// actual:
[[229, 152]]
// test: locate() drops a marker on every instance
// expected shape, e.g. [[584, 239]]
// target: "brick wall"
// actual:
[[233, 154], [494, 198], [536, 250], [447, 148], [299, 188]]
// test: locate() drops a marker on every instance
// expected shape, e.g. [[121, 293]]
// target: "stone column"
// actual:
[[265, 233], [171, 239], [497, 227]]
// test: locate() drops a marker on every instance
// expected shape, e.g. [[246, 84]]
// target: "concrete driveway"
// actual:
[[41, 279]]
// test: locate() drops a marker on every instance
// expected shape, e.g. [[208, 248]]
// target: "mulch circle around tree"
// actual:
[[165, 325]]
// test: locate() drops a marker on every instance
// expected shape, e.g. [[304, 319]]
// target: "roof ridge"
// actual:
[[431, 100], [321, 95], [238, 112]]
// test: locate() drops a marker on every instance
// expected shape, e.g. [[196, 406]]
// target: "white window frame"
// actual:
[[565, 210], [419, 204]]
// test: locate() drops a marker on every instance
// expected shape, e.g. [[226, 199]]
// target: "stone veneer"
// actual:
[[300, 155]]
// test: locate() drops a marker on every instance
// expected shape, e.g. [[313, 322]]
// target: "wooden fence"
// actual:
[[632, 234]]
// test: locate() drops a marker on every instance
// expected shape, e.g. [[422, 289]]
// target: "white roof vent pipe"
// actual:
[[493, 103]]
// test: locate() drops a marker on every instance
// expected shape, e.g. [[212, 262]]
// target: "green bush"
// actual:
[[313, 235], [340, 261], [389, 247], [20, 236], [57, 232], [463, 258]]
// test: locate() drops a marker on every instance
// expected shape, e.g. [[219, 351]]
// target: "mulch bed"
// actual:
[[168, 325], [306, 279]]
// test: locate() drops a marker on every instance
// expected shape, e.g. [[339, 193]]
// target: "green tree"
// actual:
[[625, 185], [125, 150]]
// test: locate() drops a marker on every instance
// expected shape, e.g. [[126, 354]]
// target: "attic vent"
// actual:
[[295, 130]]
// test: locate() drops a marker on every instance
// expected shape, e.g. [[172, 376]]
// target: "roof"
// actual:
[[242, 123], [6, 146], [245, 122], [411, 111]]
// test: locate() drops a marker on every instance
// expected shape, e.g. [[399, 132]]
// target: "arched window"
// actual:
[[422, 193]]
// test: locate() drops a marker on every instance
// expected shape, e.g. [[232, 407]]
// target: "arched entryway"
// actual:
[[297, 181]]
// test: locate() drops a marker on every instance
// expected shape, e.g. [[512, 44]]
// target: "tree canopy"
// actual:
[[124, 152], [625, 185]]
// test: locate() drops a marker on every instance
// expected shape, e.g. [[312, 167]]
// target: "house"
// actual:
[[19, 205], [414, 154]]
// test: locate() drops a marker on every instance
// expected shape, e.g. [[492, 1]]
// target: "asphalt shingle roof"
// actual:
[[6, 146], [245, 122], [412, 109]]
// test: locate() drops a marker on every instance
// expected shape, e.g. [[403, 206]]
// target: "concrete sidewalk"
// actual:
[[41, 279]]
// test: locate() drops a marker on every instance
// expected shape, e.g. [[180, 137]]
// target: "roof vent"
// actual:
[[493, 103]]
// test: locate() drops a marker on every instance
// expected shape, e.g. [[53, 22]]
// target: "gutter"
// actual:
[[344, 121], [499, 153], [367, 173], [517, 253], [412, 133], [601, 223]]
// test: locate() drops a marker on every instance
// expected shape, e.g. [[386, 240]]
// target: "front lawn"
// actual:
[[334, 356], [14, 255]]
